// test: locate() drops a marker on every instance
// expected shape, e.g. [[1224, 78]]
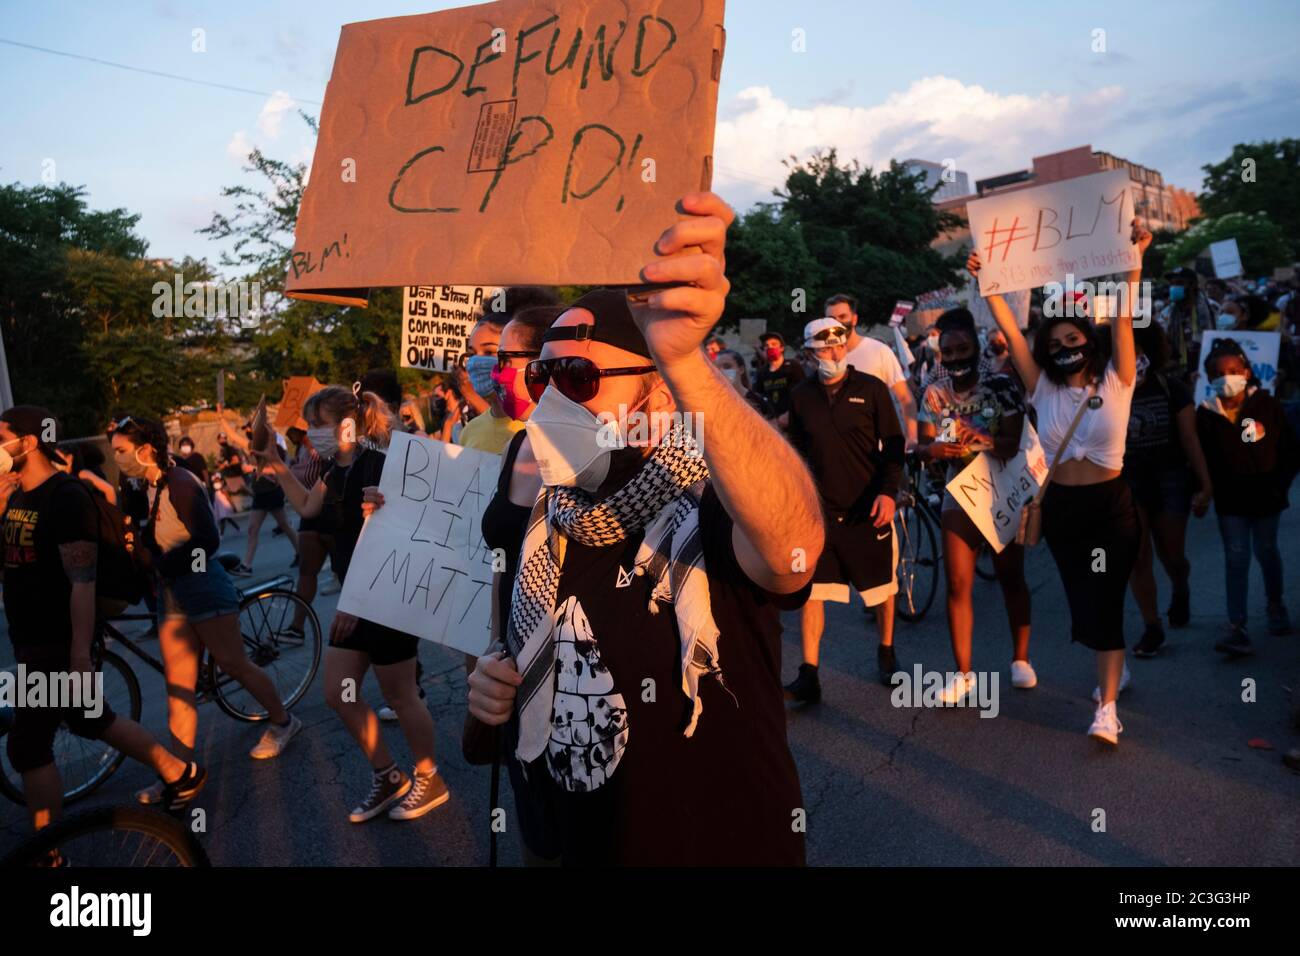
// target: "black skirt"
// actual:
[[1093, 532]]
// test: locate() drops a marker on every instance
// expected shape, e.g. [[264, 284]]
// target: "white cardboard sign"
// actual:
[[436, 322], [421, 565], [1226, 258], [1030, 237], [993, 492]]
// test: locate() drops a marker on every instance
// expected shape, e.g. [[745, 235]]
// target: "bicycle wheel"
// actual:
[[984, 562], [289, 659], [84, 764], [918, 563], [116, 837]]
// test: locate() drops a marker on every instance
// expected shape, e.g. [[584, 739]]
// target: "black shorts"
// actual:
[[381, 644], [1087, 527], [269, 500], [858, 556], [31, 739]]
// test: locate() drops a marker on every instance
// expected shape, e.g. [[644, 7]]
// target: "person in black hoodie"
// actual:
[[1252, 455]]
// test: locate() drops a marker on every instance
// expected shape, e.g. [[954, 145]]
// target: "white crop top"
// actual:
[[1102, 432]]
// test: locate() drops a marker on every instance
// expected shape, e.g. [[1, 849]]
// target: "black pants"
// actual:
[[1094, 533]]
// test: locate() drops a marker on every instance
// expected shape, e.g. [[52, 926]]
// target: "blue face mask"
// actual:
[[1176, 293], [480, 369]]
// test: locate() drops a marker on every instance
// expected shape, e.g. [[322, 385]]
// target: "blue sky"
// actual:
[[987, 85]]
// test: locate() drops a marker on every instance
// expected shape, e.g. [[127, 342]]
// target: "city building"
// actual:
[[952, 182]]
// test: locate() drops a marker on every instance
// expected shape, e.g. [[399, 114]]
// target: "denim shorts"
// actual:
[[1164, 492], [200, 596]]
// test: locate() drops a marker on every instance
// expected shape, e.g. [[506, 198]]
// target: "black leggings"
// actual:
[[1094, 534]]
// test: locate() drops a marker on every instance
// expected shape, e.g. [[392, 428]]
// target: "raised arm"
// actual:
[[1021, 355], [761, 481], [306, 501], [1124, 354]]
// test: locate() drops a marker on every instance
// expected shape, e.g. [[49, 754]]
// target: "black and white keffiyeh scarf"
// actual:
[[663, 498]]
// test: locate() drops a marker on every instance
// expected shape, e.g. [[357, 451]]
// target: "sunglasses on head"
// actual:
[[503, 358], [575, 377], [826, 335]]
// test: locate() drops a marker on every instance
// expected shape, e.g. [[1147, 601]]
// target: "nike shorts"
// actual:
[[858, 556]]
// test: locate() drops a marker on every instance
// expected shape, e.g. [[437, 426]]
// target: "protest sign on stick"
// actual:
[[1029, 237], [1262, 348], [993, 492], [437, 320], [1226, 259], [508, 143], [420, 565], [297, 390]]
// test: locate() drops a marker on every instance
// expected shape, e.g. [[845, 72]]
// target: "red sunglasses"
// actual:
[[576, 378]]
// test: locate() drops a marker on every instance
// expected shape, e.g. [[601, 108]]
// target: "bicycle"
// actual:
[[111, 837], [264, 610], [918, 549]]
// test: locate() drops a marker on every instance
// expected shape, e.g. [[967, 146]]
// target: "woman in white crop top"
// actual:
[[1089, 519]]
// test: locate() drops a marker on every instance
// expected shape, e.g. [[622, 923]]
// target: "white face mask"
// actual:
[[1229, 386], [829, 369], [572, 446], [731, 373], [130, 464], [324, 441], [6, 459]]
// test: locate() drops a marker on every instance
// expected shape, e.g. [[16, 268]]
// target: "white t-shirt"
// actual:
[[876, 358], [1102, 432]]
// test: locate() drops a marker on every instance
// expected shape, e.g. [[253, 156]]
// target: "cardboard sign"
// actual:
[[1078, 227], [901, 310], [297, 390], [420, 565], [1262, 348], [508, 143], [436, 322], [1226, 259], [993, 492]]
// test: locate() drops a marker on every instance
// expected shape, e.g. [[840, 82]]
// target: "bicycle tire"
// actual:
[[226, 692], [108, 764], [918, 563], [164, 829]]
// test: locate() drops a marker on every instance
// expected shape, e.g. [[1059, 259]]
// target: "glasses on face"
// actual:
[[503, 358], [577, 378]]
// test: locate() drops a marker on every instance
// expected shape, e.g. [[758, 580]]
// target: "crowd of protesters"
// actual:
[[672, 560]]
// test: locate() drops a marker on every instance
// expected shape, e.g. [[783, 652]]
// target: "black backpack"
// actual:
[[117, 573]]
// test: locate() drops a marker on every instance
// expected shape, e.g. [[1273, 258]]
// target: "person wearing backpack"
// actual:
[[51, 545], [198, 603]]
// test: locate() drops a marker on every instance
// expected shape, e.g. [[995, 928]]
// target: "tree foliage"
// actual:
[[1259, 177], [1260, 241]]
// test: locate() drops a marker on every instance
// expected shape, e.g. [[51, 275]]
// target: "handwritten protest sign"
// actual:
[[297, 390], [1077, 227], [507, 143], [436, 322], [1226, 259], [420, 565], [1262, 348], [931, 305], [993, 492]]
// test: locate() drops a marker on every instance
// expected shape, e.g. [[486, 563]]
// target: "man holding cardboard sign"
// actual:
[[643, 647]]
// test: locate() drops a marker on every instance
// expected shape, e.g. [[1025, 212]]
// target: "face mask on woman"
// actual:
[[733, 374], [1229, 386], [129, 463], [479, 369], [324, 440], [962, 368], [511, 404], [1071, 360], [1225, 320]]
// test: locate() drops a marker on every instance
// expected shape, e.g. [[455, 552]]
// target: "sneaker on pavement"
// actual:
[[427, 791], [184, 789], [956, 688], [806, 688], [887, 664], [275, 739], [1180, 609], [386, 788], [1149, 643], [1279, 622], [1022, 675], [151, 794], [386, 714], [1105, 724], [332, 586], [1125, 679], [241, 570], [1235, 641]]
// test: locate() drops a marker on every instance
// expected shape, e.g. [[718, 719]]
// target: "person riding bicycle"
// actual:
[[199, 604], [51, 535]]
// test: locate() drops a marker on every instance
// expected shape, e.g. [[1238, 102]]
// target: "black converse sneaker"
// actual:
[[387, 786], [806, 688], [427, 791]]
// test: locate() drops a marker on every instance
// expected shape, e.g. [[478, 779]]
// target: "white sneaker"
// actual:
[[1022, 675], [956, 688], [1105, 725], [331, 586], [1124, 680], [386, 714], [275, 739]]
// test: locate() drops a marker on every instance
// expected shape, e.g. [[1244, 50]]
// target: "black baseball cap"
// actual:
[[613, 324], [24, 420], [771, 335]]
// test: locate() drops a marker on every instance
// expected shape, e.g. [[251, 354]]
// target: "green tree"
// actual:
[[1260, 241], [1261, 177]]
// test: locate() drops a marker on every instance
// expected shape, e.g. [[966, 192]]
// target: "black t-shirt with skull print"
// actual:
[[628, 786]]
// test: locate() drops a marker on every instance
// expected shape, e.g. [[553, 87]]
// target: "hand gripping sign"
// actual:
[[516, 142]]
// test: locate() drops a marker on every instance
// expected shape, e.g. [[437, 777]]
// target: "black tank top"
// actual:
[[504, 525]]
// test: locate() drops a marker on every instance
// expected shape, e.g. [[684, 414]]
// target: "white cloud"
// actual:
[[271, 120], [935, 118], [239, 147]]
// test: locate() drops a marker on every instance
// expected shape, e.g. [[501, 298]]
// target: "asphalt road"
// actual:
[[882, 785]]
